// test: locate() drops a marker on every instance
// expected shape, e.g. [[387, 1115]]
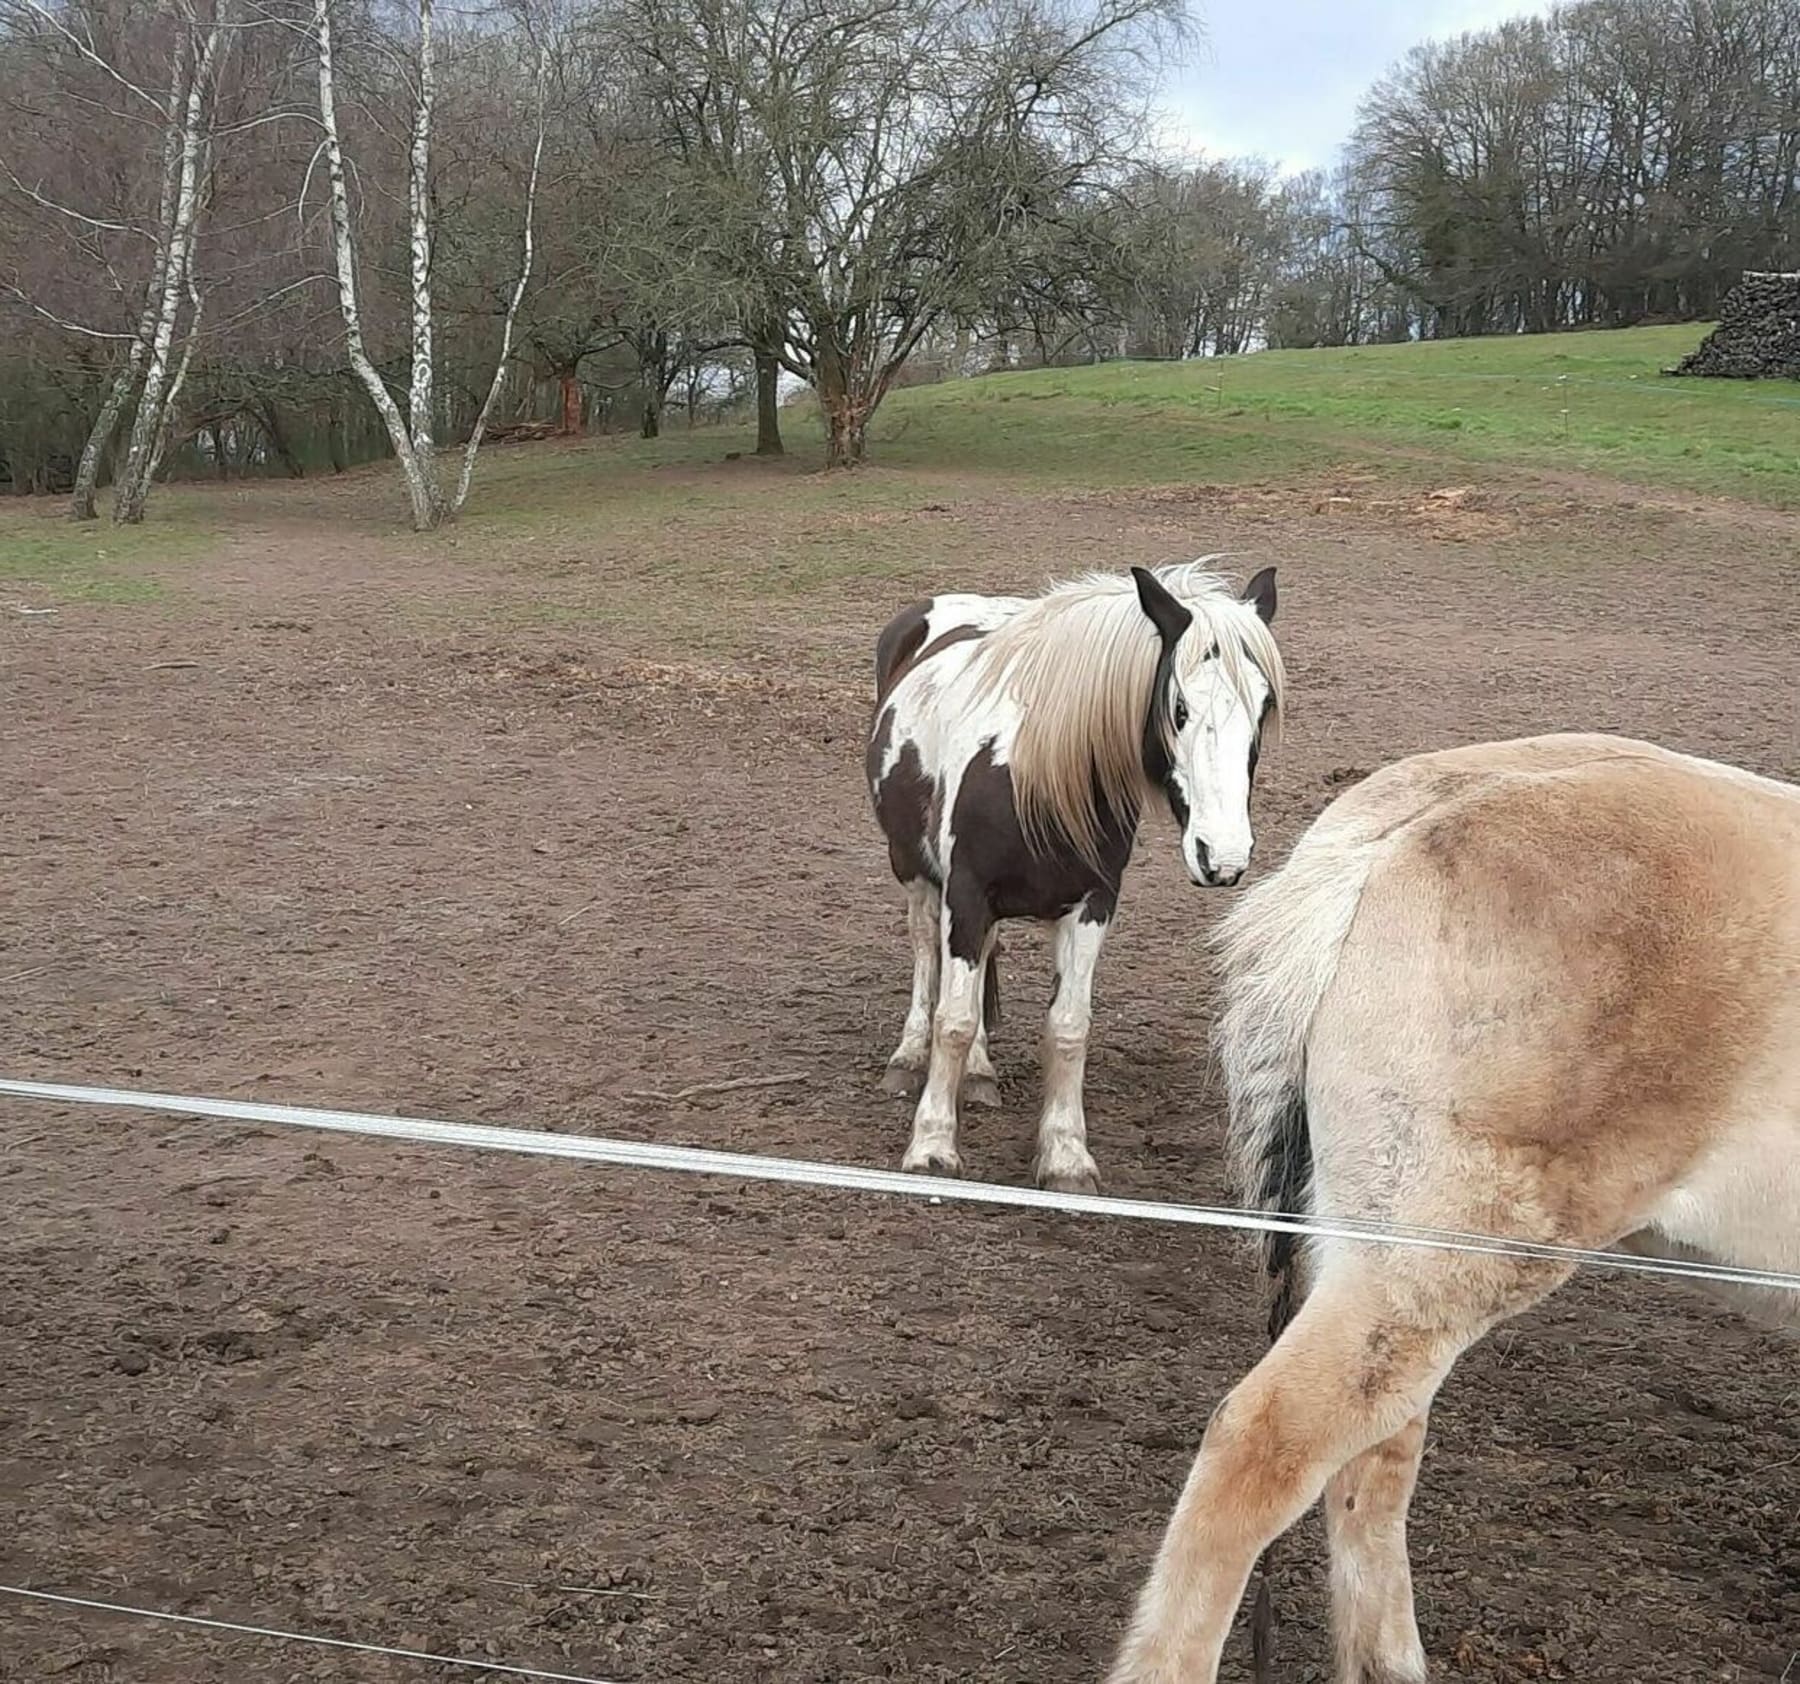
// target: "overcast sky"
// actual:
[[1281, 78]]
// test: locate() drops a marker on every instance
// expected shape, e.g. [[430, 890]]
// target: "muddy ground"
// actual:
[[341, 820]]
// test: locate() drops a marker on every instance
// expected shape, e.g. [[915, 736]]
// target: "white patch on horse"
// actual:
[[1058, 718]]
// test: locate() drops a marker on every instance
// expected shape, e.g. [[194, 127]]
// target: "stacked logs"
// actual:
[[1758, 336]]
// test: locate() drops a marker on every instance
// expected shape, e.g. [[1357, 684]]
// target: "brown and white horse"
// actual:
[[1014, 744], [1546, 989]]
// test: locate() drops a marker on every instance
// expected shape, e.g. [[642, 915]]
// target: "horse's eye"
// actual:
[[1180, 714]]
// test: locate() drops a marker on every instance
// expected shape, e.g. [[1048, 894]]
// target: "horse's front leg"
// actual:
[[968, 937], [1063, 1160], [906, 1068]]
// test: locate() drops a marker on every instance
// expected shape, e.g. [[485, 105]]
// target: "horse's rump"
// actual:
[[1566, 964], [1545, 990]]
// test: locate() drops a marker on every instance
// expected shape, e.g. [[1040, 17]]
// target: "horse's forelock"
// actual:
[[1079, 663]]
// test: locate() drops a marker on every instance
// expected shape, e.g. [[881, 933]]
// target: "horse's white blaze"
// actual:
[[1212, 769]]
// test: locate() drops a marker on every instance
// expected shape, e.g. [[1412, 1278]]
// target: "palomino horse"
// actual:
[[1014, 744], [1547, 990]]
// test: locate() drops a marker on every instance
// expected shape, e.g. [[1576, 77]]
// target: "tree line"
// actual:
[[279, 235]]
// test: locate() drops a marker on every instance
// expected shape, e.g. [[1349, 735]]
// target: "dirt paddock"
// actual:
[[453, 829]]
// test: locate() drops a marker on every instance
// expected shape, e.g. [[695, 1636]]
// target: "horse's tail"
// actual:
[[990, 990], [1280, 951]]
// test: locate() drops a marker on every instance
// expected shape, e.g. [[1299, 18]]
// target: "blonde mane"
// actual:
[[1079, 662]]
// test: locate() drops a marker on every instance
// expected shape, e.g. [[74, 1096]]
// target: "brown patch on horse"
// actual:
[[998, 874], [906, 804], [917, 657], [1615, 879], [900, 640]]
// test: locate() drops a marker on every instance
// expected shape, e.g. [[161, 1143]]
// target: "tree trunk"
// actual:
[[276, 433], [845, 403], [83, 504], [172, 398], [418, 192], [526, 250], [845, 426], [133, 489], [654, 377], [768, 403], [571, 402], [421, 481], [336, 427]]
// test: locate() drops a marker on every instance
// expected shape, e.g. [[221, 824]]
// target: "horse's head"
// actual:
[[1216, 685]]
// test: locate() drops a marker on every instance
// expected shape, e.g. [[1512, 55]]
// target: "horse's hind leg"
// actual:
[[980, 1085], [1372, 1614], [906, 1068], [1358, 1365]]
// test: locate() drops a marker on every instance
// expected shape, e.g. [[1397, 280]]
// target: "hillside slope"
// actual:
[[1594, 402]]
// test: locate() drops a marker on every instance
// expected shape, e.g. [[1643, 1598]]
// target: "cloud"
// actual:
[[1283, 82]]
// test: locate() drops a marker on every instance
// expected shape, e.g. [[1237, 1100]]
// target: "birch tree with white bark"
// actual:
[[197, 49], [102, 72], [413, 433]]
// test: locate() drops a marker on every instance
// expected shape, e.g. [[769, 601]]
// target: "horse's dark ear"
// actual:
[[1260, 592], [1166, 614]]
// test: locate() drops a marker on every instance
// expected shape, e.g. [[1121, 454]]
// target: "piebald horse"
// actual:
[[1547, 990], [1015, 742]]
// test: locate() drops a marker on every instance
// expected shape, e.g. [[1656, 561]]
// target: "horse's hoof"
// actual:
[[932, 1160], [981, 1090], [1071, 1180], [903, 1081]]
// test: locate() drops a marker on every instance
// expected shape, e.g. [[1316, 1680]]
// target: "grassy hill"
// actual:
[[1418, 415], [1593, 402]]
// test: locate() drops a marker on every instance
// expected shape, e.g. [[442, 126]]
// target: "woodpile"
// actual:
[[1758, 336], [521, 432]]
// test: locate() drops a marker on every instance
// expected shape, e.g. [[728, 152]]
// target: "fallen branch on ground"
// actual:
[[737, 1084]]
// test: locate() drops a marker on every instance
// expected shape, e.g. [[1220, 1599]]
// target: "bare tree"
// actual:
[[421, 483], [197, 49], [88, 89], [413, 435], [1618, 160], [889, 159], [510, 319]]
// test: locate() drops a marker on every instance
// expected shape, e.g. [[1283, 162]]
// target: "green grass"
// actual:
[[646, 524], [1595, 402], [47, 559]]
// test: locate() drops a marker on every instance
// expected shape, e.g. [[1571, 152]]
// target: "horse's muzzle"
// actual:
[[1209, 875]]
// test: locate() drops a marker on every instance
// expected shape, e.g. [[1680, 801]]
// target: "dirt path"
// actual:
[[386, 843]]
